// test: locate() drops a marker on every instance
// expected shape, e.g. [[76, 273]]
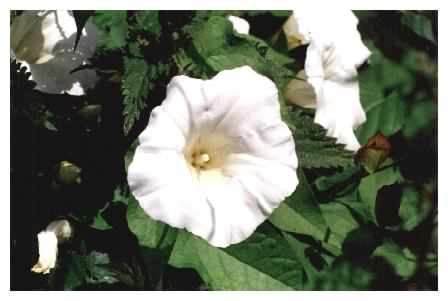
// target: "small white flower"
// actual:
[[216, 157], [56, 232], [334, 52], [240, 25], [43, 41]]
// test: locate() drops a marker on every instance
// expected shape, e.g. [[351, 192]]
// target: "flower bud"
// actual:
[[374, 153], [90, 112], [56, 232], [68, 173]]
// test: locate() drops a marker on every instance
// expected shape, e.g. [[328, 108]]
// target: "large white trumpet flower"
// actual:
[[334, 52], [215, 158], [43, 41]]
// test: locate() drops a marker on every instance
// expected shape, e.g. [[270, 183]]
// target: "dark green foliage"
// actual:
[[113, 29], [344, 227]]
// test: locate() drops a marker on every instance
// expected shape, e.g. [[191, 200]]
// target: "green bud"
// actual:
[[68, 173], [90, 112]]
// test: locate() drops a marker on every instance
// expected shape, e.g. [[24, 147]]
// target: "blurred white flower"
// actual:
[[43, 41], [240, 25], [56, 232], [334, 52], [215, 158]]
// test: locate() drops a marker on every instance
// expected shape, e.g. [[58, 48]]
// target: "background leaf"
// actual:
[[113, 29], [262, 262], [300, 212]]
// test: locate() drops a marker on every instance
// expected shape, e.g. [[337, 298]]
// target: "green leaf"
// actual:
[[313, 147], [92, 268], [219, 47], [112, 27], [122, 194], [386, 117], [341, 181], [100, 223], [150, 233], [76, 273], [98, 271], [262, 262], [370, 185], [300, 212], [420, 24], [343, 276], [148, 20], [139, 80], [413, 208], [135, 88], [422, 115], [340, 220], [403, 261], [301, 250]]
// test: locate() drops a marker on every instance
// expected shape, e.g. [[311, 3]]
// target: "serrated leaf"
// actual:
[[112, 27], [262, 262], [135, 88], [139, 79], [314, 149]]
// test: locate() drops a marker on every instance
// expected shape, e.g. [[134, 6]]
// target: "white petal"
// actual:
[[47, 50], [339, 111], [222, 205], [240, 25], [162, 132], [185, 103], [48, 251], [166, 190], [334, 52], [240, 100]]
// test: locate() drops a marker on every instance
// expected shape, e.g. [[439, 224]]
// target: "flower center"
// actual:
[[199, 160], [207, 151]]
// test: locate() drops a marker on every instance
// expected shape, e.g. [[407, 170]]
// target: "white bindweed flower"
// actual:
[[43, 41], [215, 158], [56, 232], [330, 81], [240, 25]]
